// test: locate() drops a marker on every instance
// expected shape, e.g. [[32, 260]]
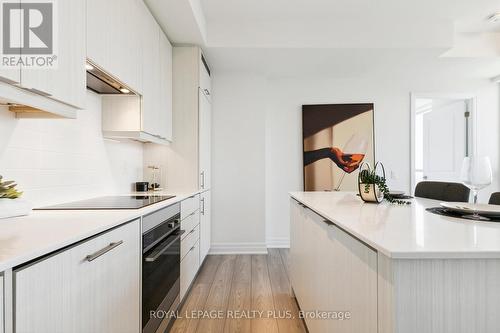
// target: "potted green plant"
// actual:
[[10, 204], [373, 187]]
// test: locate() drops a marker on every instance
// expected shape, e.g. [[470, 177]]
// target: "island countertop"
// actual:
[[405, 231]]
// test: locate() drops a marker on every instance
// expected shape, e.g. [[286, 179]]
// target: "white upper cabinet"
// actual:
[[157, 78], [66, 83], [188, 166], [150, 74], [114, 39], [12, 76], [165, 96], [59, 90], [125, 53], [136, 51], [122, 38], [205, 125], [205, 82], [98, 30]]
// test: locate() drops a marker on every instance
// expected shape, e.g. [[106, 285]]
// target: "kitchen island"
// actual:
[[392, 268]]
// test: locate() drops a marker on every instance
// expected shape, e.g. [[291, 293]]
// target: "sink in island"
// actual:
[[393, 269]]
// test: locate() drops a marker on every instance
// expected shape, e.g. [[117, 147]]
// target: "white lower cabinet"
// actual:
[[332, 271], [93, 286], [189, 267], [189, 206], [205, 224], [2, 301], [195, 242], [190, 242], [296, 244]]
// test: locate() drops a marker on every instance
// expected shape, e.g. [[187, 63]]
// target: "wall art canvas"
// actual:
[[337, 138]]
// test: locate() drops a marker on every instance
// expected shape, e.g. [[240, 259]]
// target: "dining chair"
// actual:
[[494, 198], [444, 191]]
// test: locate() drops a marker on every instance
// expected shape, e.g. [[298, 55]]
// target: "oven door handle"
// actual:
[[156, 254]]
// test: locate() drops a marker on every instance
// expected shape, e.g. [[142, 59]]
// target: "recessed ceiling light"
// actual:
[[124, 90], [494, 17], [89, 67]]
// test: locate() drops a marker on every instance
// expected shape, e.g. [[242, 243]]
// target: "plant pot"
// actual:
[[14, 207], [370, 193]]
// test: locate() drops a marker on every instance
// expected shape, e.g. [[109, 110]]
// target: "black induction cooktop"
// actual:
[[111, 202]]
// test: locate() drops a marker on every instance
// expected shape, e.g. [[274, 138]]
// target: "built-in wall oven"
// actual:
[[161, 247]]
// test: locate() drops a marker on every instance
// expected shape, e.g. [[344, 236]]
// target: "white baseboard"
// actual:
[[238, 248], [278, 242]]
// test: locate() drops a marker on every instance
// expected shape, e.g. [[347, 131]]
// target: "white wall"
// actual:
[[60, 160], [238, 168], [283, 146], [392, 122]]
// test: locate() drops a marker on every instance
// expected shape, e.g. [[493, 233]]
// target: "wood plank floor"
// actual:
[[240, 294]]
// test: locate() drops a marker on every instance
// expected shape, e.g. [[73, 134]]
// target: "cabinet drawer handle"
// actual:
[[191, 249], [39, 92], [6, 80], [202, 206], [202, 185], [328, 222], [99, 253], [160, 137], [207, 92], [192, 231]]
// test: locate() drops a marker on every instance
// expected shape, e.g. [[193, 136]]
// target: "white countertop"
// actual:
[[28, 237], [406, 231]]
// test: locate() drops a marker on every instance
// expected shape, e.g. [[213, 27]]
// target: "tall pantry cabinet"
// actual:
[[185, 163]]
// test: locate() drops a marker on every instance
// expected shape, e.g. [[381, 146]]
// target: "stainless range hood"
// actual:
[[103, 83]]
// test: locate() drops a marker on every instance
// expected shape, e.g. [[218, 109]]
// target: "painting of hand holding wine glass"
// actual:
[[337, 138]]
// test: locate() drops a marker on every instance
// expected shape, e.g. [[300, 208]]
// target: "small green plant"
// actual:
[[370, 177], [8, 189]]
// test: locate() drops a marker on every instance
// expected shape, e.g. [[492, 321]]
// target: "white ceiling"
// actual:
[[349, 63], [342, 38], [469, 15], [182, 20]]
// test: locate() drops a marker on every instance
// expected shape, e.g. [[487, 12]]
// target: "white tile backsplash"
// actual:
[[60, 160]]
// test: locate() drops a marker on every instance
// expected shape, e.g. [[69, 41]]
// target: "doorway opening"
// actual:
[[442, 135]]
